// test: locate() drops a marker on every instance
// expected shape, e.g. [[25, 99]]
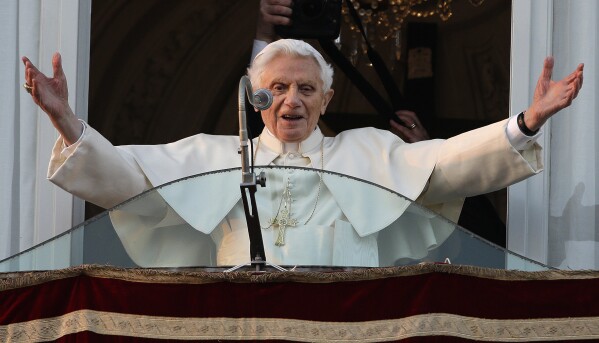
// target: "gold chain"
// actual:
[[283, 218]]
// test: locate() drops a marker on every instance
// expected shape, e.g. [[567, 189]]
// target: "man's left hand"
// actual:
[[552, 96]]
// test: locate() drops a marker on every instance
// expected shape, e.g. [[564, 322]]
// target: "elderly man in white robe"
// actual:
[[435, 173]]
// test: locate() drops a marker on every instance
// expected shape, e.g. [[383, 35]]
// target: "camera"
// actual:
[[313, 19]]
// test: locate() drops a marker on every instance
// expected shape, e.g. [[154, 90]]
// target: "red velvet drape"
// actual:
[[426, 303]]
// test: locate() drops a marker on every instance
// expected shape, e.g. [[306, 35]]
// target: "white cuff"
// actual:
[[519, 140], [68, 150]]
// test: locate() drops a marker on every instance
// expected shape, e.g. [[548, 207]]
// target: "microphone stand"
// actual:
[[249, 183]]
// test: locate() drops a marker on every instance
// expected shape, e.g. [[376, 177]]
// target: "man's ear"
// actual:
[[328, 95]]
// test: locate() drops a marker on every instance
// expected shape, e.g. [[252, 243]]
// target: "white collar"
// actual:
[[273, 143]]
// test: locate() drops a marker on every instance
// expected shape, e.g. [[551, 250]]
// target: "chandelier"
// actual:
[[383, 21]]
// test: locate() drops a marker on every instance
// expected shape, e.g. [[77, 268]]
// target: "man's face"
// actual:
[[298, 95]]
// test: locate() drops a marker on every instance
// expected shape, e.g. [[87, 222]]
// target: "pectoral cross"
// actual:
[[283, 219]]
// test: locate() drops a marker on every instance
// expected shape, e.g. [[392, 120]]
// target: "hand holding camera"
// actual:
[[272, 13], [299, 19]]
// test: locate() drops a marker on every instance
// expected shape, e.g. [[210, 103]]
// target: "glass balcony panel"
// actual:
[[308, 218]]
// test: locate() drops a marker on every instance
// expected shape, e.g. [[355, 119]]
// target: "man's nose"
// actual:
[[292, 98]]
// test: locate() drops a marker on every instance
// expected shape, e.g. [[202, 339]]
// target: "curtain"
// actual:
[[553, 216], [19, 34], [33, 210], [573, 225]]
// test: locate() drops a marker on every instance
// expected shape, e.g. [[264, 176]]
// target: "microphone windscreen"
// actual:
[[262, 99]]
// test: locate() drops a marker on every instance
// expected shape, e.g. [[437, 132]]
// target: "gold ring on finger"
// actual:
[[27, 87]]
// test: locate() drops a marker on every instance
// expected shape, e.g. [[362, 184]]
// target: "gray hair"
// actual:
[[289, 47]]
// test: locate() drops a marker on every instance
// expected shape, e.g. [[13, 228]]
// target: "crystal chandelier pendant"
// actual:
[[383, 21]]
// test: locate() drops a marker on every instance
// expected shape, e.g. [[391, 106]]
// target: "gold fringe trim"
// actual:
[[200, 276], [435, 324]]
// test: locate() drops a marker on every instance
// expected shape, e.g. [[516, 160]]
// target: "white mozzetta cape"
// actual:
[[436, 173]]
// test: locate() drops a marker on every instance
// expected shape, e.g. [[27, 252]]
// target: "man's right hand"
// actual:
[[52, 96], [413, 132], [272, 12]]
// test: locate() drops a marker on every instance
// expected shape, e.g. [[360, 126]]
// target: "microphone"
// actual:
[[262, 99]]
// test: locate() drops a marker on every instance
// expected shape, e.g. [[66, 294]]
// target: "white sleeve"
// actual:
[[95, 170], [259, 45]]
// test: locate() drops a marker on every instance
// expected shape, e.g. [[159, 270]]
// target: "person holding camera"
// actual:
[[278, 12], [478, 213]]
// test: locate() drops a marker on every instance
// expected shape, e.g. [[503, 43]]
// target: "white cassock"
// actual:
[[342, 229]]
